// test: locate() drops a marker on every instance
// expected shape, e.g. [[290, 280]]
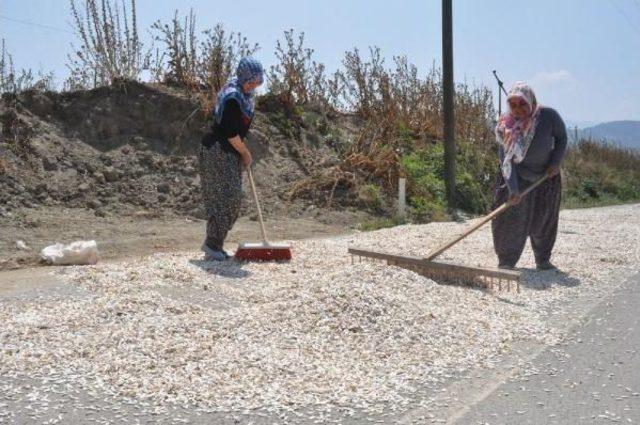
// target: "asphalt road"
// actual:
[[592, 378]]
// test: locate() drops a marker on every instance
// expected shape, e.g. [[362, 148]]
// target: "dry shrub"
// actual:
[[401, 113], [180, 44], [596, 173], [16, 136], [110, 48], [297, 79], [363, 162], [202, 67], [13, 82], [611, 154], [221, 52], [410, 106]]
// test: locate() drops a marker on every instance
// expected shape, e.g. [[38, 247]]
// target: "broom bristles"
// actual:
[[257, 252]]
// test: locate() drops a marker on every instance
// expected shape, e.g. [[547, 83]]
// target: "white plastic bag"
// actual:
[[21, 245], [76, 253]]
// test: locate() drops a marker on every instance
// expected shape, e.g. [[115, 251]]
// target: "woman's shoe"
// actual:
[[213, 254], [545, 265]]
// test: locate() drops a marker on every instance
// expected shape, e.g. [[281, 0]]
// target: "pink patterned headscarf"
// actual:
[[513, 134]]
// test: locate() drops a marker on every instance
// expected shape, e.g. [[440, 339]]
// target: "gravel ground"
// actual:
[[317, 332]]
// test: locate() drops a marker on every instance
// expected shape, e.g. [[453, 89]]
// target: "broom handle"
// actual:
[[485, 219], [255, 198]]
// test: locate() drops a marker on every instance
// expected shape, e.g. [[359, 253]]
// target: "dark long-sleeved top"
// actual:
[[547, 148], [233, 123]]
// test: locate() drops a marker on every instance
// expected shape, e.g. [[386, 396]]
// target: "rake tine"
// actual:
[[488, 278]]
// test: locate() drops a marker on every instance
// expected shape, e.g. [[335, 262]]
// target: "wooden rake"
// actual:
[[489, 277]]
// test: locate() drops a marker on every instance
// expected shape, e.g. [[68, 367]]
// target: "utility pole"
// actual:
[[447, 104]]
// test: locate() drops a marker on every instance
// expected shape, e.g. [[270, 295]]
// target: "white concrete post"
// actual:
[[402, 183]]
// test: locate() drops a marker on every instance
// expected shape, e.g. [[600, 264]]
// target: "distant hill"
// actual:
[[626, 133]]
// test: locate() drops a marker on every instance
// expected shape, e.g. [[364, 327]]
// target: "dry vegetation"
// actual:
[[397, 110], [599, 173], [201, 66], [12, 81], [110, 47]]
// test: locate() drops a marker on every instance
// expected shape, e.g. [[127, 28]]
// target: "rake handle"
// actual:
[[484, 220], [255, 198]]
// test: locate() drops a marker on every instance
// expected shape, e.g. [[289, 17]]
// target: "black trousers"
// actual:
[[536, 217]]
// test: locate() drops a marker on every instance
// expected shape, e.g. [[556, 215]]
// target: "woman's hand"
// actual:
[[246, 159], [245, 155], [507, 137]]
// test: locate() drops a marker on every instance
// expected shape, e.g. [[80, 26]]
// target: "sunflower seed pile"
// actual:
[[172, 329]]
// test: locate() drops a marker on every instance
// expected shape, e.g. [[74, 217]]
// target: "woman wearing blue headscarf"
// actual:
[[223, 153]]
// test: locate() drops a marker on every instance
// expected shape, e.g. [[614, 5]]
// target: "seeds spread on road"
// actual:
[[318, 331]]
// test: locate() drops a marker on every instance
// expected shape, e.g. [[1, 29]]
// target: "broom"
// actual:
[[264, 251]]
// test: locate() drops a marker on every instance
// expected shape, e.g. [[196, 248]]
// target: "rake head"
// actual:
[[490, 278]]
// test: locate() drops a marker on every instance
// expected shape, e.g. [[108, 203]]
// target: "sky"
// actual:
[[582, 57]]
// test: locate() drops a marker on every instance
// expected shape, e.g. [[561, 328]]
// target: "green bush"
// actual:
[[471, 196], [425, 175], [285, 125], [425, 172], [371, 197], [423, 210], [628, 191], [382, 223], [598, 173]]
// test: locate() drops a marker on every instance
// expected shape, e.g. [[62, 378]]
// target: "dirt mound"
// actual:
[[132, 147]]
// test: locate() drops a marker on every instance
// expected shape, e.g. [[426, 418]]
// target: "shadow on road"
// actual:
[[229, 268], [541, 280]]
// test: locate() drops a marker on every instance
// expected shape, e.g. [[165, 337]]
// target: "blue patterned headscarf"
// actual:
[[248, 70]]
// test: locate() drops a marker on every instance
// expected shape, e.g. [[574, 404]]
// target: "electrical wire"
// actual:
[[34, 24], [629, 21]]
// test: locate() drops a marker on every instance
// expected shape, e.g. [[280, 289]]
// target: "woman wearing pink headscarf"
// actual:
[[532, 141]]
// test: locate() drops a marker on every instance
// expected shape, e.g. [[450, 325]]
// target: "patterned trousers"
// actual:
[[221, 181], [536, 217]]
